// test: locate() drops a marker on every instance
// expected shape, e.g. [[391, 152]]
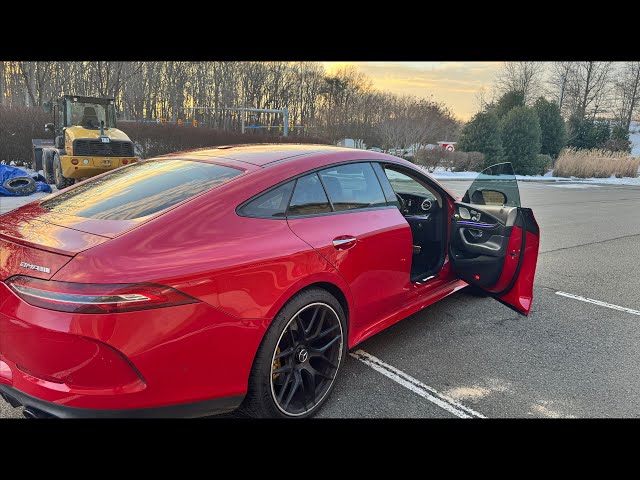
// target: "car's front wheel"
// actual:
[[299, 358]]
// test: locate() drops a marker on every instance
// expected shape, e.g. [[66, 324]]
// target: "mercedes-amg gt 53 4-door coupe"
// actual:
[[199, 282]]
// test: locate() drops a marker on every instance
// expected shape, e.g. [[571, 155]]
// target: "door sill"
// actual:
[[422, 279]]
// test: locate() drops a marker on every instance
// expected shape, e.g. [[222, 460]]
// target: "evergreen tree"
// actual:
[[482, 134], [588, 133], [521, 140], [553, 132], [507, 102]]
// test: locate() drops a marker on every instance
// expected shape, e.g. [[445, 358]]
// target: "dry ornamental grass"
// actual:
[[595, 163]]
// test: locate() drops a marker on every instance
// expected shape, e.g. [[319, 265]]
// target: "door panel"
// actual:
[[495, 246], [498, 258], [371, 249]]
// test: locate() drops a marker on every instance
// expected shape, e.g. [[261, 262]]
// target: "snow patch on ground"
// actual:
[[634, 137], [574, 185], [442, 174], [9, 203]]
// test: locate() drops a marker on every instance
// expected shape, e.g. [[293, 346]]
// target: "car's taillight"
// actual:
[[95, 298]]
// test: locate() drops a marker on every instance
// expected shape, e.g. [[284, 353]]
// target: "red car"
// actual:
[[199, 282]]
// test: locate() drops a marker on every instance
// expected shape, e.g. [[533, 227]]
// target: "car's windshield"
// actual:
[[140, 189], [90, 114]]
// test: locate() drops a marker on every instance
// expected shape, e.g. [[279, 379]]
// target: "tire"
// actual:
[[20, 185], [47, 167], [60, 180], [268, 392]]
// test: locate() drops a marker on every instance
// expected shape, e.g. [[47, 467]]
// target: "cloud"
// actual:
[[454, 83]]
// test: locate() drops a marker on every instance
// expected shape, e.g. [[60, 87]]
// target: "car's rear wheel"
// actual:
[[299, 358]]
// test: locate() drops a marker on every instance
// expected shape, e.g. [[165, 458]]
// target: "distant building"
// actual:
[[450, 146]]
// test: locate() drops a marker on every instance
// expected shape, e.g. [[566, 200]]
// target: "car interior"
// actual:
[[423, 208]]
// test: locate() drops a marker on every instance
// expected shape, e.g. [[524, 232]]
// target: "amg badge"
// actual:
[[35, 267]]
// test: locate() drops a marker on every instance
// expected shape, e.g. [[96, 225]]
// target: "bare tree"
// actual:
[[589, 88], [627, 93], [343, 104], [560, 76], [525, 77]]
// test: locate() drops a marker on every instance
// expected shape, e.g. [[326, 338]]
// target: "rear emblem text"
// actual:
[[35, 267]]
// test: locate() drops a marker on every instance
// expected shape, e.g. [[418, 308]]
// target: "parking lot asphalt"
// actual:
[[470, 356]]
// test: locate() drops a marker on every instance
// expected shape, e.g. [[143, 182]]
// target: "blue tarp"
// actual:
[[7, 172]]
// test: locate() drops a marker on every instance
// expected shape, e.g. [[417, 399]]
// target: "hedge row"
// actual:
[[18, 126]]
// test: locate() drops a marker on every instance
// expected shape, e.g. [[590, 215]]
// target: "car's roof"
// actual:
[[258, 154]]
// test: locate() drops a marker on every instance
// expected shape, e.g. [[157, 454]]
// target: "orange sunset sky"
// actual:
[[454, 83]]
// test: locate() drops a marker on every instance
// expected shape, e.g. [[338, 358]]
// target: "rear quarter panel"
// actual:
[[247, 267]]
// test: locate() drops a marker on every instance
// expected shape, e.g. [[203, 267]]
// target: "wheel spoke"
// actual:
[[320, 355], [285, 384], [318, 327], [304, 391], [331, 342], [300, 329], [314, 372], [312, 321], [294, 388], [328, 330], [292, 336], [284, 353], [285, 369]]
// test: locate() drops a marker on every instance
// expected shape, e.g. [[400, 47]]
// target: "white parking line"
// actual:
[[416, 386], [598, 302]]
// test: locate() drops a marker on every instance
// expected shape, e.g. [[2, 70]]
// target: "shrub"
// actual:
[[455, 161], [508, 101], [553, 132], [482, 134], [619, 140], [521, 139], [596, 163], [18, 126], [587, 133], [152, 139], [540, 164]]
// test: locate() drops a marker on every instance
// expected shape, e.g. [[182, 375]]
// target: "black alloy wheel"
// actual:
[[298, 360], [306, 359]]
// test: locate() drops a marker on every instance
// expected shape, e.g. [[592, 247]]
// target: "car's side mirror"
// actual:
[[488, 197], [48, 127], [47, 107]]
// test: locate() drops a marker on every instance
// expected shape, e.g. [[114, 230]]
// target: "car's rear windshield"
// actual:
[[140, 189]]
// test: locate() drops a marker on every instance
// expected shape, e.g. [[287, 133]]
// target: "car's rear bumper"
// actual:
[[37, 408], [132, 362]]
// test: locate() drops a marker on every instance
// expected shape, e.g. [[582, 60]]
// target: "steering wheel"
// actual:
[[403, 204]]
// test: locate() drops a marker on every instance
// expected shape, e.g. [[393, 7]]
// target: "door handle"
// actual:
[[342, 243]]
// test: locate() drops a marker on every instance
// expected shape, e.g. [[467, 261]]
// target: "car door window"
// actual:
[[272, 204], [402, 183], [308, 197], [495, 185], [353, 186]]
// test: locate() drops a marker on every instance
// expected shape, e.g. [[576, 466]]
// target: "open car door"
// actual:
[[494, 241]]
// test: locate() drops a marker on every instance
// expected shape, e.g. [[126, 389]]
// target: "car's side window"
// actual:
[[272, 204], [308, 197], [403, 183], [353, 186]]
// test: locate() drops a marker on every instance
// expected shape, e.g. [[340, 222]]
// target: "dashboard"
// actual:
[[417, 205]]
